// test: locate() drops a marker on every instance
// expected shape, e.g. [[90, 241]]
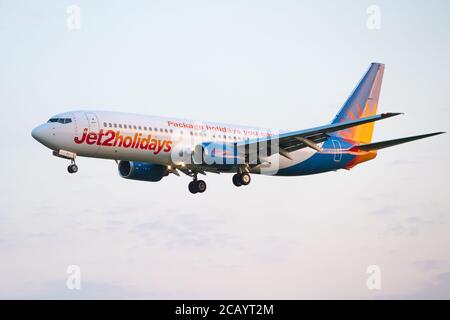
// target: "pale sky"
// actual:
[[282, 64]]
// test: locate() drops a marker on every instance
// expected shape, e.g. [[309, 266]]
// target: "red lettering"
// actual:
[[127, 141], [109, 136], [168, 146], [152, 145], [100, 136], [119, 139], [91, 138], [136, 141], [136, 145], [83, 137], [145, 142], [160, 145]]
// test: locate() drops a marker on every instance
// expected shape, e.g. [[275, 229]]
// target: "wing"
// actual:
[[292, 141]]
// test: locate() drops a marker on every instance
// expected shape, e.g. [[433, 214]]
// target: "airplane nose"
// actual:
[[38, 133]]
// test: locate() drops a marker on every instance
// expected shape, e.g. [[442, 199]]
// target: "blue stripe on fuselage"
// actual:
[[321, 162]]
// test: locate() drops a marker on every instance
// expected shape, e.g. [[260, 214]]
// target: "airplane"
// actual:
[[149, 148]]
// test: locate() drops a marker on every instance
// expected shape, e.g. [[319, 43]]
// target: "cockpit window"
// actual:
[[60, 120]]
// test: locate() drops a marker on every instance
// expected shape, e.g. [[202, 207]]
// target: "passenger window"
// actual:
[[120, 126], [110, 125], [134, 127], [145, 128], [171, 130], [140, 128], [160, 129], [115, 125]]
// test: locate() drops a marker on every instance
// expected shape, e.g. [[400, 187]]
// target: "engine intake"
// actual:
[[142, 171]]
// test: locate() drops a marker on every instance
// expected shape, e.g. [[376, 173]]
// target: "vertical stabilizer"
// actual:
[[363, 102]]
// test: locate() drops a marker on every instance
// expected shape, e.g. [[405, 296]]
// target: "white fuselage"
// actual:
[[133, 137]]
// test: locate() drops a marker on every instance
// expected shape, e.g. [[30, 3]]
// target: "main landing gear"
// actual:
[[241, 179], [197, 186], [72, 168]]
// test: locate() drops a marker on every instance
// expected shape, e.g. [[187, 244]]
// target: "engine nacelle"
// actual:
[[142, 171]]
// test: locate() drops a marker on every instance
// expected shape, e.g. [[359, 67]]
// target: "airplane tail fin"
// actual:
[[391, 143], [363, 102]]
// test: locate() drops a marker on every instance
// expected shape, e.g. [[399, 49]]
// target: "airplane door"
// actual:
[[337, 150], [93, 126], [92, 121]]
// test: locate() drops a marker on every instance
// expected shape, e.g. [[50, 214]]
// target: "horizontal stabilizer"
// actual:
[[391, 143]]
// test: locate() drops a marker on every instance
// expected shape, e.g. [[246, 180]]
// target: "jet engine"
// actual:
[[142, 171]]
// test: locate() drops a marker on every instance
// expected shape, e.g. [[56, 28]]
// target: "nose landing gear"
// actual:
[[72, 168]]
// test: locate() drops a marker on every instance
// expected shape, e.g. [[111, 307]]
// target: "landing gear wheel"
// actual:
[[237, 180], [245, 179], [201, 186], [73, 168], [192, 186], [197, 186]]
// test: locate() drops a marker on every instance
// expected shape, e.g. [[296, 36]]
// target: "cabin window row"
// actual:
[[145, 128], [214, 136], [135, 127]]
